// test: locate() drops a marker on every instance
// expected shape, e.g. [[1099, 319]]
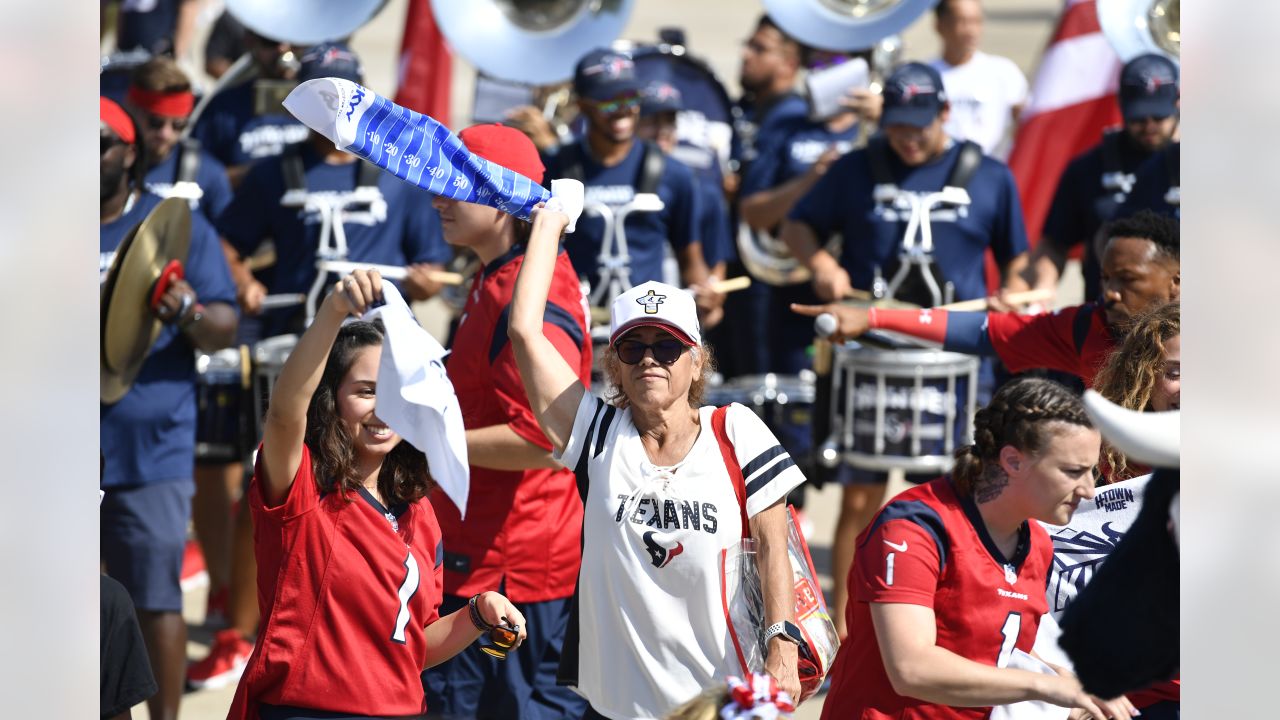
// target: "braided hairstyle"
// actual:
[[1132, 370], [1020, 415]]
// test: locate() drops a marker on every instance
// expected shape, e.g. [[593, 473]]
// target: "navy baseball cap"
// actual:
[[330, 60], [605, 74], [913, 95], [660, 96], [1149, 87]]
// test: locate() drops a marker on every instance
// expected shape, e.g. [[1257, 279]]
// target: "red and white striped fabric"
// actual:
[[1073, 98], [426, 66]]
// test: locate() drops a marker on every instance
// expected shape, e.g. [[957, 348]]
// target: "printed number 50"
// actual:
[[406, 592]]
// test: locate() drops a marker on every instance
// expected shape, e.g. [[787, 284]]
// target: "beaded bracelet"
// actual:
[[476, 618]]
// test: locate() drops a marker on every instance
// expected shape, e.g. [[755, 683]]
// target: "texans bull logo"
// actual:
[[659, 555]]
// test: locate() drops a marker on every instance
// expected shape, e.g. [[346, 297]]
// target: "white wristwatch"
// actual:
[[787, 630]]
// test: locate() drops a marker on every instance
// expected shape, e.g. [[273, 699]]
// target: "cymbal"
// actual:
[[129, 328]]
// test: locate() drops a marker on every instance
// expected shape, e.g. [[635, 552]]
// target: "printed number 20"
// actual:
[[1009, 633], [406, 592]]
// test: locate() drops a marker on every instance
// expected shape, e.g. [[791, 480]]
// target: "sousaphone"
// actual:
[[1137, 27], [129, 327], [842, 25]]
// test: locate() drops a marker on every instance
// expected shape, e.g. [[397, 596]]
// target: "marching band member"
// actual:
[[915, 157], [148, 436], [1140, 270], [1096, 183]]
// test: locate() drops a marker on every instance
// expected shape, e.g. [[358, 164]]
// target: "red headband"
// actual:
[[110, 112], [171, 104]]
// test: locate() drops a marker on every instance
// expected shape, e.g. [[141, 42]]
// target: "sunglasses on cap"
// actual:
[[664, 352], [609, 107]]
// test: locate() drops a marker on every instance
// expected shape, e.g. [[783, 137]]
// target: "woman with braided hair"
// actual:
[[1143, 374], [948, 581]]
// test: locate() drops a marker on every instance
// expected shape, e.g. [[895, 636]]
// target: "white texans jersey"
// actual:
[[649, 629]]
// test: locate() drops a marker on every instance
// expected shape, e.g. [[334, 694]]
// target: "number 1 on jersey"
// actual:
[[406, 592], [1012, 624]]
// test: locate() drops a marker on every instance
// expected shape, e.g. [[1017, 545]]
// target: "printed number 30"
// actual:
[[407, 589], [1009, 633]]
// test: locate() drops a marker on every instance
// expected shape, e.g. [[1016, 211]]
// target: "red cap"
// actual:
[[110, 112], [505, 146]]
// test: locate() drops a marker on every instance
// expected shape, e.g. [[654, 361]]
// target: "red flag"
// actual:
[[426, 66], [1073, 99]]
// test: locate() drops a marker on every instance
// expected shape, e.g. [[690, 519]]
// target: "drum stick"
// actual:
[[1018, 298], [742, 282], [271, 302], [391, 272]]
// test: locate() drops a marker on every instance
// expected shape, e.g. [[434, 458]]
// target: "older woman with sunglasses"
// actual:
[[648, 629]]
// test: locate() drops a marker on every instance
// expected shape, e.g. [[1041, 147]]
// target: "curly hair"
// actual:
[[1147, 225], [613, 371], [404, 476], [1019, 415], [1132, 369]]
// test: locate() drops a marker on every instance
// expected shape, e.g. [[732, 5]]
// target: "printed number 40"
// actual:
[[406, 592], [1009, 633]]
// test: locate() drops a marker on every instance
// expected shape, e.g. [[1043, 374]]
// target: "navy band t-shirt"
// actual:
[[149, 436], [1152, 183], [211, 176], [842, 202], [647, 232], [231, 131], [400, 229]]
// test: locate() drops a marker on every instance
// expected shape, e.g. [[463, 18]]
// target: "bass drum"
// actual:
[[704, 128]]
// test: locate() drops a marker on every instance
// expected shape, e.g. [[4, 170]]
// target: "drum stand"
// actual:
[[615, 262]]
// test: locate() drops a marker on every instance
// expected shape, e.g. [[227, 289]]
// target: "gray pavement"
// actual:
[[715, 30]]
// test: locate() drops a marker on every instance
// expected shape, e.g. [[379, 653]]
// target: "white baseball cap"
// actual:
[[655, 304]]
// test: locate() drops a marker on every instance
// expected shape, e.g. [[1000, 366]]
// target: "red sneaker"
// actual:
[[224, 663], [194, 574]]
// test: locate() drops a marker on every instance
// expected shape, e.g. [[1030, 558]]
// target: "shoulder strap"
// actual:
[[368, 175], [1111, 152], [651, 167], [1173, 165], [188, 160], [731, 463], [1080, 325], [968, 161], [295, 175], [878, 156]]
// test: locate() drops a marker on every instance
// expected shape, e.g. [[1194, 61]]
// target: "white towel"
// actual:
[[416, 399]]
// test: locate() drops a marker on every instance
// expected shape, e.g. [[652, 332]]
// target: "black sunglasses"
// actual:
[[665, 352]]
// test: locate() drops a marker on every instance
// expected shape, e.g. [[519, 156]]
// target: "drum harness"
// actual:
[[918, 253], [614, 261], [184, 184]]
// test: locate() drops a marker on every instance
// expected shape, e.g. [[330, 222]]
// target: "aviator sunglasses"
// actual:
[[665, 352]]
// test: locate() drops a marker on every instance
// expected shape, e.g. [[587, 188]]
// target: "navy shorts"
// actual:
[[144, 534], [474, 685]]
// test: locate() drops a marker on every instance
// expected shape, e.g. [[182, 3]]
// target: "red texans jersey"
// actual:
[[347, 588], [928, 547], [521, 527], [1074, 340]]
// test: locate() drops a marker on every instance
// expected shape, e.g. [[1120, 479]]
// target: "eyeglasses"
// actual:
[[503, 639], [157, 122], [610, 107], [665, 352]]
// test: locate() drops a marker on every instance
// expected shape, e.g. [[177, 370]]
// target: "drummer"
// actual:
[[913, 155], [399, 228], [1140, 270], [148, 436]]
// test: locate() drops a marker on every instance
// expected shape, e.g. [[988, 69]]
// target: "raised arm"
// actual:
[[285, 425], [553, 387]]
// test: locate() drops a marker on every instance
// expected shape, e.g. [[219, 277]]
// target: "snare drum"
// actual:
[[222, 405], [784, 402], [902, 409], [268, 360]]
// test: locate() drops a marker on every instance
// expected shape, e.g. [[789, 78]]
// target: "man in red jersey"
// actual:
[[523, 520], [1140, 270]]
